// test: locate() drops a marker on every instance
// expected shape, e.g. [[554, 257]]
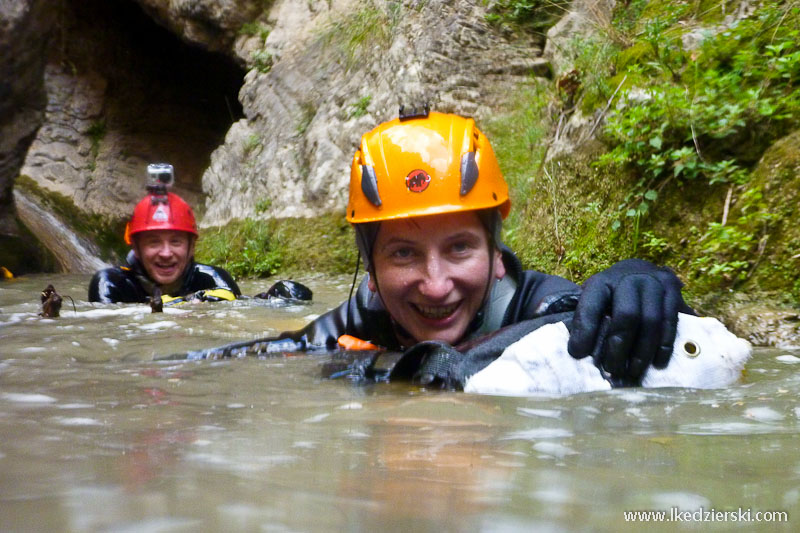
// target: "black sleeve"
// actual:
[[202, 277], [114, 285], [367, 321]]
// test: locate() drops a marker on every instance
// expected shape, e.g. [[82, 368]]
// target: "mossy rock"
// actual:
[[288, 246], [107, 233], [778, 176]]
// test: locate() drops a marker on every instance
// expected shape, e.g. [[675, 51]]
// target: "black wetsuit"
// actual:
[[130, 284], [520, 295]]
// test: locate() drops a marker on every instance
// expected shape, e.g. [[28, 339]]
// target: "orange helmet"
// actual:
[[424, 165], [161, 211]]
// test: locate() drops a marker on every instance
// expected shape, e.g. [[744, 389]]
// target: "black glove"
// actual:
[[641, 302]]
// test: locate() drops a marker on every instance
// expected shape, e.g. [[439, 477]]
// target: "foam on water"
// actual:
[[33, 349], [763, 414], [726, 428], [22, 397], [164, 324], [77, 421], [316, 418], [553, 449]]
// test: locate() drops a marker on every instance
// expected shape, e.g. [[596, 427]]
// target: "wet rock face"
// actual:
[[337, 71], [23, 29], [24, 25]]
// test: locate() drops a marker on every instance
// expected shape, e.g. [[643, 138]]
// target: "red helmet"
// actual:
[[157, 211]]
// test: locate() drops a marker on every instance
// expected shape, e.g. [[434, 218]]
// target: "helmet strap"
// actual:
[[352, 288]]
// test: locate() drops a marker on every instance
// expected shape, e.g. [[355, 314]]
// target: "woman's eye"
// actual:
[[460, 247], [402, 253]]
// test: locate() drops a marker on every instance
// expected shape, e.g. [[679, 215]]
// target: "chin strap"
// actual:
[[352, 288]]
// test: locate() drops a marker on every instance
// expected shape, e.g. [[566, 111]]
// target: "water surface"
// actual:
[[96, 436]]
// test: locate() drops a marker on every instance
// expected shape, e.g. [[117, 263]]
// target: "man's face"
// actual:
[[432, 273], [164, 254]]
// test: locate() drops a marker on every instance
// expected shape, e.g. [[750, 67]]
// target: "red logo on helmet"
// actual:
[[417, 180]]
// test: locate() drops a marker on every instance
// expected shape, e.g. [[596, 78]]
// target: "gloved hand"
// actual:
[[641, 302]]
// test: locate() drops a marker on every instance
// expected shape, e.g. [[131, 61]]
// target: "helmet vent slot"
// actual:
[[369, 185], [469, 172]]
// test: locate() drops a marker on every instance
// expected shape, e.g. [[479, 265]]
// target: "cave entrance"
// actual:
[[168, 100]]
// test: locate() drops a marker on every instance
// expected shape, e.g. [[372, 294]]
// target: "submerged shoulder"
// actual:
[[114, 284]]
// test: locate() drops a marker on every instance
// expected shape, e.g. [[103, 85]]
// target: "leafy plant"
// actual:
[[96, 133], [537, 15], [368, 27], [262, 61], [359, 109], [252, 143], [255, 28], [689, 118], [263, 205]]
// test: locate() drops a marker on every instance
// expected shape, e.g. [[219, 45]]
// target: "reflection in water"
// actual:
[[97, 436]]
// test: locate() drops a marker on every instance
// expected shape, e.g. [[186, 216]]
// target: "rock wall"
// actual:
[[24, 26], [337, 70]]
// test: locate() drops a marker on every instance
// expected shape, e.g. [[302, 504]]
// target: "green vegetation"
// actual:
[[359, 109], [685, 126], [351, 38], [96, 133], [249, 247], [256, 29], [262, 61], [252, 144], [536, 15], [263, 205]]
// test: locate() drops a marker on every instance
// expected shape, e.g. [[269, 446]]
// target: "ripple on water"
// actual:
[[728, 428], [544, 413], [539, 433]]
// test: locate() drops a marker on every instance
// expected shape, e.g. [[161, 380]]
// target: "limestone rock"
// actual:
[[347, 69], [212, 24]]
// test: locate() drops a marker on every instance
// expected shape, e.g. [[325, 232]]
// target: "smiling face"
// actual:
[[432, 273], [164, 255]]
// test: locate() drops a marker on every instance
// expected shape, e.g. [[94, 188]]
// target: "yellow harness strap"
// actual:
[[219, 294]]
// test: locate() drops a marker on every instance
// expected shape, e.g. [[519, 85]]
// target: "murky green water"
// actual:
[[95, 436]]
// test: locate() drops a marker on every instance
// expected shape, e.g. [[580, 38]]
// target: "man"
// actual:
[[427, 199], [162, 234]]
